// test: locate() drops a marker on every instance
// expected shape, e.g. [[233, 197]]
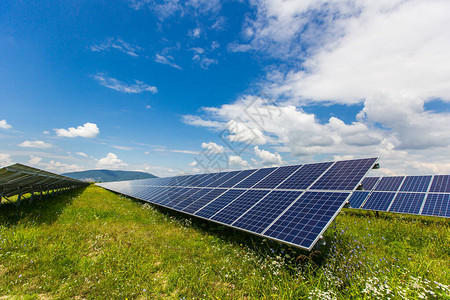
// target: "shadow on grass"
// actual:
[[261, 246], [40, 211]]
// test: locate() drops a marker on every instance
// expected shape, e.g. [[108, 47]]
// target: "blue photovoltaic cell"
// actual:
[[379, 201], [171, 195], [222, 179], [415, 184], [192, 179], [304, 221], [233, 211], [214, 206], [407, 203], [180, 197], [150, 193], [389, 184], [266, 211], [200, 202], [255, 178], [369, 182], [199, 180], [304, 176], [212, 177], [193, 195], [357, 199], [276, 177], [236, 179], [440, 184], [344, 175], [437, 205]]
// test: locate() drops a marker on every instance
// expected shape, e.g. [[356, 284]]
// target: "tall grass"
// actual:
[[90, 243]]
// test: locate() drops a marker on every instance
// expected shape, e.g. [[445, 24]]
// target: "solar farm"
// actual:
[[315, 231]]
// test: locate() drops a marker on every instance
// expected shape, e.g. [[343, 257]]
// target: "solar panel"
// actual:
[[344, 175], [440, 184], [276, 177], [416, 184], [257, 218], [357, 199], [379, 201], [278, 203], [369, 182], [255, 178], [305, 220], [407, 203], [437, 205], [389, 184], [235, 209], [304, 176]]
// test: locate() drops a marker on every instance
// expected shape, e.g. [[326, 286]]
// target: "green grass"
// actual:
[[90, 243]]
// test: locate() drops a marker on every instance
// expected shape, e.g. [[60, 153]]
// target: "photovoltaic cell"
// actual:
[[440, 184], [407, 203], [415, 184], [276, 177], [437, 205], [217, 204], [212, 177], [234, 210], [389, 184], [369, 182], [200, 202], [303, 222], [379, 201], [185, 193], [266, 211], [255, 178], [344, 175], [357, 198], [304, 176], [236, 179], [195, 195], [222, 179]]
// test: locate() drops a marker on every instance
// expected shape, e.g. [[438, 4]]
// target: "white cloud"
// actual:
[[148, 106], [137, 87], [235, 161], [204, 61], [34, 160], [240, 132], [5, 159], [4, 124], [198, 121], [46, 132], [88, 130], [167, 60], [122, 147], [59, 167], [167, 8], [82, 154], [267, 157], [193, 164], [35, 144], [118, 44], [213, 147], [195, 33], [110, 161]]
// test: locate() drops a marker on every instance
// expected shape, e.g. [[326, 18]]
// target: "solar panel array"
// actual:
[[291, 204], [418, 195]]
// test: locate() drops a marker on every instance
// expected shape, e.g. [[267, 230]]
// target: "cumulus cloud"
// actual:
[[34, 160], [137, 87], [213, 147], [4, 124], [35, 144], [88, 130], [110, 161], [117, 44], [235, 161], [5, 159], [59, 167], [267, 157]]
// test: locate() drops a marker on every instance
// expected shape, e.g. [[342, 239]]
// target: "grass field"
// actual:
[[91, 243]]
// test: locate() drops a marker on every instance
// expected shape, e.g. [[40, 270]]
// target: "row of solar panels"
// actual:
[[418, 195], [292, 204]]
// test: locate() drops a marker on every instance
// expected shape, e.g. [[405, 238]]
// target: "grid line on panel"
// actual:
[[304, 177], [389, 184], [437, 205], [407, 203], [255, 178], [229, 213], [258, 217], [171, 195], [440, 184], [379, 201], [417, 184], [237, 179], [306, 218], [199, 203], [153, 192], [196, 193], [217, 204], [369, 183], [180, 197], [344, 175], [275, 178], [428, 190], [219, 181], [357, 198], [212, 177]]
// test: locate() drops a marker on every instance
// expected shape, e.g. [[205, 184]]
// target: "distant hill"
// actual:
[[108, 175]]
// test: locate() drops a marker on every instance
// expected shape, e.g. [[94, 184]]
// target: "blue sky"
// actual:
[[173, 87]]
